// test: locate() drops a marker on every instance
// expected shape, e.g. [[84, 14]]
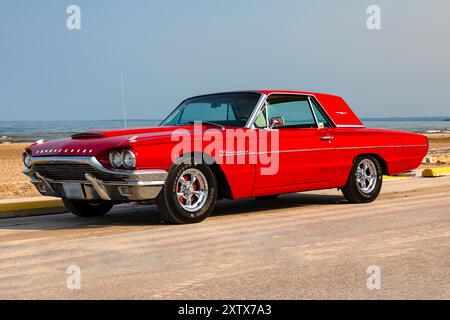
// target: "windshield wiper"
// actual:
[[209, 122]]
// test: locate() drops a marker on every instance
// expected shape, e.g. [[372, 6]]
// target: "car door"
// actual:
[[305, 152]]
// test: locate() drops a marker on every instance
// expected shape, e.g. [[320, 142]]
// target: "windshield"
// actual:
[[226, 109]]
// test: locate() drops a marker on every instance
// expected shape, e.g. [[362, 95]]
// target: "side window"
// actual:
[[295, 111], [319, 115]]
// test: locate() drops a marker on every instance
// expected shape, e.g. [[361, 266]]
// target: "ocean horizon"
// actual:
[[28, 131]]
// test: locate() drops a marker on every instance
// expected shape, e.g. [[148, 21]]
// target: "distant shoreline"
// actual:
[[30, 131], [394, 118]]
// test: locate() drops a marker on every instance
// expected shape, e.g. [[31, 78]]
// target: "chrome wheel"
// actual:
[[192, 190], [366, 176]]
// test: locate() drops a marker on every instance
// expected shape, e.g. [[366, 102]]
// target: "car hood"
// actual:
[[96, 142]]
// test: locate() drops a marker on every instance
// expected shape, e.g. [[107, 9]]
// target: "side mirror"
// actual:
[[276, 122]]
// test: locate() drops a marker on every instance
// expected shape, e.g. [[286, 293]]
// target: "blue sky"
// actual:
[[169, 50]]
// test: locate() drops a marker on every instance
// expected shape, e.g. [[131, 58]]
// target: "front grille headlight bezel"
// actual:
[[116, 159], [122, 159], [128, 159]]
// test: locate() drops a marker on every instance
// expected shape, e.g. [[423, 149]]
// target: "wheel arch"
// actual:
[[222, 181], [383, 162]]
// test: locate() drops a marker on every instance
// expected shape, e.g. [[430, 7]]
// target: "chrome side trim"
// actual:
[[318, 149]]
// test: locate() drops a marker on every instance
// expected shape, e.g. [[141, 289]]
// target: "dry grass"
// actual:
[[14, 184]]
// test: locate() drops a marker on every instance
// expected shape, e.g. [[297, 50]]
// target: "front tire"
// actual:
[[87, 209], [365, 180], [189, 194]]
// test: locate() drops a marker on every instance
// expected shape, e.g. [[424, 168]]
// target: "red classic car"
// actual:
[[233, 145]]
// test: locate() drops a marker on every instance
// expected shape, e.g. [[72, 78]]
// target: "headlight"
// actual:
[[129, 159], [26, 158], [115, 158]]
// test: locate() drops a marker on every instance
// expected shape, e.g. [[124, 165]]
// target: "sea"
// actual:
[[28, 131]]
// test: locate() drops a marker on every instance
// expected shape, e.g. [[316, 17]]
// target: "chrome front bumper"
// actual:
[[121, 185]]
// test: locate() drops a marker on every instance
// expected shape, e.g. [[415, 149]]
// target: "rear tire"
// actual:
[[365, 180], [185, 199], [87, 209]]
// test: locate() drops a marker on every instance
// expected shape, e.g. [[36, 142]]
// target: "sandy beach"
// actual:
[[14, 184]]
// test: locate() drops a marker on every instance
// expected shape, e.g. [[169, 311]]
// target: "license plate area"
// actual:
[[73, 191]]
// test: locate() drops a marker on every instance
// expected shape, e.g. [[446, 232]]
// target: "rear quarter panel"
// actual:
[[401, 151]]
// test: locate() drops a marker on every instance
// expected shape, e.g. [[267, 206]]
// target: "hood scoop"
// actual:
[[87, 135]]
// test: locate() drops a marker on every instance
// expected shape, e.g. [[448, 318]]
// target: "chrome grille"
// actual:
[[74, 172]]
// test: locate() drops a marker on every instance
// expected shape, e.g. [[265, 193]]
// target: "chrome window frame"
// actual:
[[259, 107], [263, 105]]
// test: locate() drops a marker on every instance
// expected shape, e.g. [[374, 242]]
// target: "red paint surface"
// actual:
[[311, 163]]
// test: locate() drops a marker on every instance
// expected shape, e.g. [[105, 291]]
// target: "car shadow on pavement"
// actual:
[[294, 200], [147, 215]]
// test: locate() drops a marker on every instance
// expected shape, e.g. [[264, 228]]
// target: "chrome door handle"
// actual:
[[326, 138]]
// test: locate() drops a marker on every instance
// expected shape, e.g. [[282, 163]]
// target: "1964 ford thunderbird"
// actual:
[[260, 144]]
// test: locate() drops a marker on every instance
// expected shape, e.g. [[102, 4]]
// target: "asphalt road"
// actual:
[[309, 245]]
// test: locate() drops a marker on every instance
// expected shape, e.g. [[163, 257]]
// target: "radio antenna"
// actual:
[[123, 101]]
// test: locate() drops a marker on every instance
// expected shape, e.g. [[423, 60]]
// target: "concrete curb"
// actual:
[[435, 172], [393, 178], [401, 176], [26, 207]]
